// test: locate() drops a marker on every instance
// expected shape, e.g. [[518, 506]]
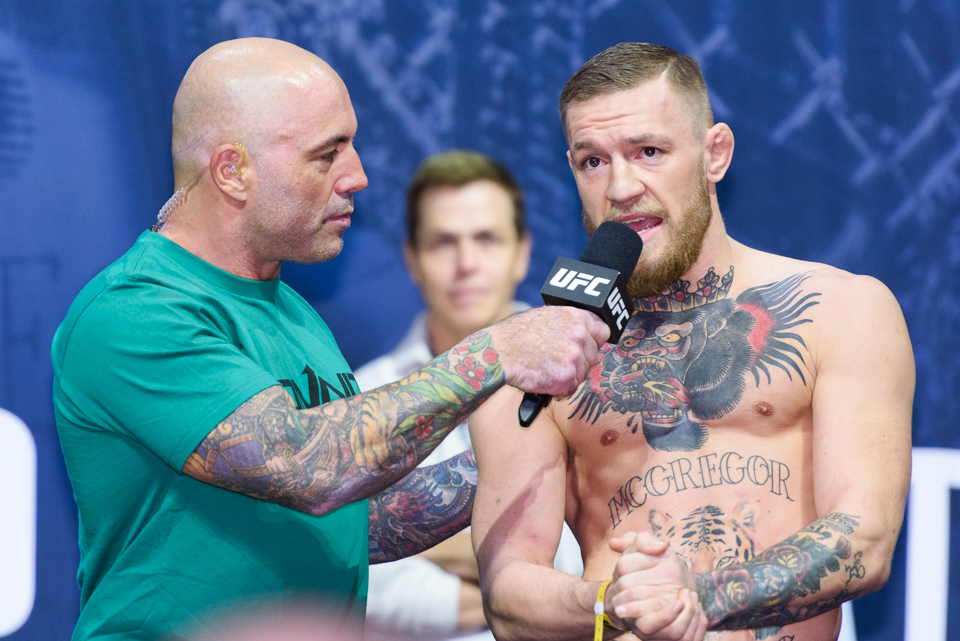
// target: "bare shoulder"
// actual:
[[844, 308], [839, 291]]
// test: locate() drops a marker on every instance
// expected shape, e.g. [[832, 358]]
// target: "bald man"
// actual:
[[219, 452]]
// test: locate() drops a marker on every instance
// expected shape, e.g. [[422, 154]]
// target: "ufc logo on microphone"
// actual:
[[615, 303], [570, 279]]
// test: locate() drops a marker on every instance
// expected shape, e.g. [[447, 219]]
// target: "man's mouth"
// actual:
[[343, 217], [467, 293], [641, 224], [339, 211]]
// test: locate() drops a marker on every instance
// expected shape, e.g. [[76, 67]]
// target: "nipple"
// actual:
[[764, 408]]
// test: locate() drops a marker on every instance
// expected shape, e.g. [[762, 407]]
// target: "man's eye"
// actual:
[[327, 157], [649, 152], [441, 241], [592, 162]]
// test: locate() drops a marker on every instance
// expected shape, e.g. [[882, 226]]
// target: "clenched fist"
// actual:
[[549, 350], [653, 593]]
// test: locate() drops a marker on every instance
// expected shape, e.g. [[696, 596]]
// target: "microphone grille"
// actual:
[[614, 246]]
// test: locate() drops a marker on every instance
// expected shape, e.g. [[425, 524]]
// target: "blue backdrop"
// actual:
[[845, 114]]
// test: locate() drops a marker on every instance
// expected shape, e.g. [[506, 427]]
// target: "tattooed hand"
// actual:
[[653, 594], [549, 350]]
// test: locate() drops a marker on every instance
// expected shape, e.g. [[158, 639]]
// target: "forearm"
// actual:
[[394, 427], [318, 459], [428, 506], [811, 572], [525, 600]]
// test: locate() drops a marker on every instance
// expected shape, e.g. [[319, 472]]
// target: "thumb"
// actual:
[[620, 544], [644, 543], [598, 329]]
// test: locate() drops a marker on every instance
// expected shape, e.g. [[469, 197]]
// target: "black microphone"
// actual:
[[594, 283]]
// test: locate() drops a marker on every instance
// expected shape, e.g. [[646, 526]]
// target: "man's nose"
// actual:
[[625, 184], [468, 256], [353, 178]]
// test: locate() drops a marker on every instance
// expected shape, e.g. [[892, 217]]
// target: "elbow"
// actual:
[[873, 564], [314, 506], [496, 608], [497, 627], [314, 510], [499, 624], [881, 579], [877, 578], [321, 506], [501, 627]]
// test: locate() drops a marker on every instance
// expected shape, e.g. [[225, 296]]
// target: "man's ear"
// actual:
[[718, 148], [413, 266], [232, 172]]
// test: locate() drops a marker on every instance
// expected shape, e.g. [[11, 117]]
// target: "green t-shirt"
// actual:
[[154, 353]]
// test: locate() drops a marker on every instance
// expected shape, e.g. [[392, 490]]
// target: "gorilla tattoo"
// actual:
[[690, 352]]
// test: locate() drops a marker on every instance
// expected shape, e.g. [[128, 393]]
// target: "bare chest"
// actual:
[[721, 363], [677, 375], [695, 412]]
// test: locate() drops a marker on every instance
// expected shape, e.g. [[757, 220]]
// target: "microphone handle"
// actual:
[[530, 406]]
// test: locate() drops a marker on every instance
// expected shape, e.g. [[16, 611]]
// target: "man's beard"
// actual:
[[652, 279], [286, 232]]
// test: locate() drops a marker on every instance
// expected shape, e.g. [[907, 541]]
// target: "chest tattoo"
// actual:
[[690, 352]]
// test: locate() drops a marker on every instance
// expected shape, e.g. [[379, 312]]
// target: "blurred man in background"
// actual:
[[467, 249]]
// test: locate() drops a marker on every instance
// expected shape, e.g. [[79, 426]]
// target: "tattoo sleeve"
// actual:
[[782, 585], [317, 459], [425, 508]]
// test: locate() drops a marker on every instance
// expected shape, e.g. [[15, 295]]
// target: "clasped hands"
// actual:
[[653, 593]]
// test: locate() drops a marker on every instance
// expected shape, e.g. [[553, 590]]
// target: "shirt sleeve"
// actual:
[[158, 366]]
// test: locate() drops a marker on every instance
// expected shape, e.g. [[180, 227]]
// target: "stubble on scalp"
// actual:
[[653, 279], [252, 90], [234, 91]]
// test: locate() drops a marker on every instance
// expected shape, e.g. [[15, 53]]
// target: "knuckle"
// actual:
[[623, 567]]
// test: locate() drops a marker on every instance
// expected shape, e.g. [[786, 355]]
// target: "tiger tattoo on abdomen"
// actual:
[[708, 538]]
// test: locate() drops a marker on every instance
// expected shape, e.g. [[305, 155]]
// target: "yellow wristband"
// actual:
[[600, 617]]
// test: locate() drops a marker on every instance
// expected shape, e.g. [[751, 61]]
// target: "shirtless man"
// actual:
[[748, 440]]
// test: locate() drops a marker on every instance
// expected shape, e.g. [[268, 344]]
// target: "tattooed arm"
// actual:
[[806, 574], [317, 459], [428, 506], [862, 403]]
